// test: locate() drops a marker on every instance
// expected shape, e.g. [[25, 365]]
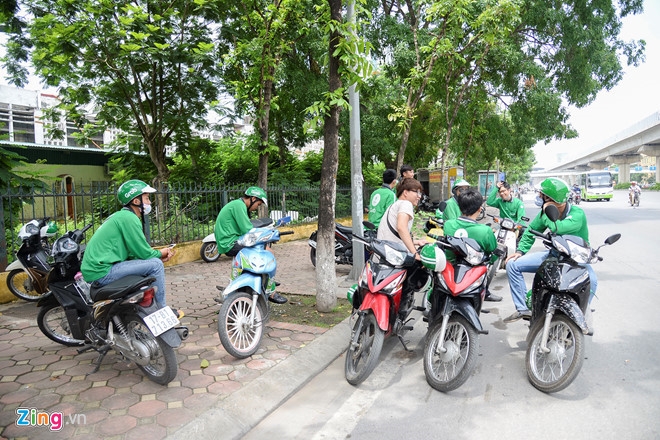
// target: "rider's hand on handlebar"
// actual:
[[167, 253]]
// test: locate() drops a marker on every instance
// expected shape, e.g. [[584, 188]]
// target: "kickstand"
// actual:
[[102, 352], [403, 343]]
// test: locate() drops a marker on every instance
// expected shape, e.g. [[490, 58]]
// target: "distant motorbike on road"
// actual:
[[559, 302], [343, 243], [122, 316], [245, 308], [378, 306], [28, 273], [456, 299], [209, 249]]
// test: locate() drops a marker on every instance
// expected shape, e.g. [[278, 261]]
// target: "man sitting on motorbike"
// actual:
[[233, 221], [396, 226], [451, 209], [466, 225], [383, 197], [634, 189], [509, 206], [119, 248], [572, 220]]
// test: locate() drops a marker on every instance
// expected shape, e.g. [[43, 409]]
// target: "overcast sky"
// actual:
[[634, 98]]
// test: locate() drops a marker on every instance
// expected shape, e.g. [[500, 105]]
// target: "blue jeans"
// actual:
[[530, 263], [152, 267]]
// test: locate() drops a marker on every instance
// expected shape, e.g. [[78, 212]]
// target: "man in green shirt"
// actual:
[[571, 221], [119, 248], [452, 210], [382, 198], [469, 202], [233, 221], [509, 206]]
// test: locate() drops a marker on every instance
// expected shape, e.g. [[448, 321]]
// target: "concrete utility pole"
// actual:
[[357, 204]]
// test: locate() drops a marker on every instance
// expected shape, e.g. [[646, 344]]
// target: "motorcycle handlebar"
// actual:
[[286, 232], [83, 230]]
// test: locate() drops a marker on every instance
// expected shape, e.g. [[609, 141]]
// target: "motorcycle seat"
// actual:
[[119, 288], [344, 229]]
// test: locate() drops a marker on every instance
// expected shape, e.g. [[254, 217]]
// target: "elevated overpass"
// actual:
[[623, 150]]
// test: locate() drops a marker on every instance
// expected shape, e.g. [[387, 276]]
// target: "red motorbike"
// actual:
[[382, 301], [459, 288]]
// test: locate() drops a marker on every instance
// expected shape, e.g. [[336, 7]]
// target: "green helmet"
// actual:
[[52, 228], [556, 189], [459, 182], [132, 189], [255, 191], [433, 258]]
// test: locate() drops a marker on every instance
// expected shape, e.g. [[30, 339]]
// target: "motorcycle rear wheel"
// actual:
[[240, 338], [162, 366], [362, 358], [20, 284], [209, 252], [451, 369], [554, 371], [53, 323]]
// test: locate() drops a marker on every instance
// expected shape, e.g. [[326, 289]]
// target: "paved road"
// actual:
[[616, 395]]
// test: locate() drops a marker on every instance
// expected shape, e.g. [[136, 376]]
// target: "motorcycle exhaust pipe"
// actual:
[[183, 332]]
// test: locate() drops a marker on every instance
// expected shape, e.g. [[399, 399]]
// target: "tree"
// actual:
[[146, 67]]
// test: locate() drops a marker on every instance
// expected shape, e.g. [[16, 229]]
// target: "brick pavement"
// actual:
[[119, 402]]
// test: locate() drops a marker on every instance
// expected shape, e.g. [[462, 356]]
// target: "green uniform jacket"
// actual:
[[514, 209], [574, 222], [232, 222], [381, 199], [119, 238], [466, 227], [451, 210]]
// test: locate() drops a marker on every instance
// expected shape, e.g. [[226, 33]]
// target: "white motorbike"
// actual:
[[209, 249], [507, 239], [27, 274]]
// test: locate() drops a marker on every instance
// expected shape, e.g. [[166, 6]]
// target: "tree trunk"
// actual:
[[326, 278], [262, 126]]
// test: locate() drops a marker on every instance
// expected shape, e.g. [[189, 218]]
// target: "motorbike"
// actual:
[[209, 249], [122, 316], [575, 197], [378, 306], [28, 273], [507, 238], [559, 302], [245, 308], [425, 204], [633, 198], [343, 243], [456, 299]]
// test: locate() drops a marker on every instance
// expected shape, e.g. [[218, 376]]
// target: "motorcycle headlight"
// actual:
[[65, 244], [507, 223], [249, 239], [561, 245], [579, 254], [474, 256]]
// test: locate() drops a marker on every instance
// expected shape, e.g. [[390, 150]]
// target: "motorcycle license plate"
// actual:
[[161, 320]]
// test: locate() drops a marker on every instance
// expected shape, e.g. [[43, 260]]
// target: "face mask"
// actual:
[[538, 201], [147, 209]]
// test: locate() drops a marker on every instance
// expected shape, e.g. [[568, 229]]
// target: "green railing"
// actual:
[[182, 212]]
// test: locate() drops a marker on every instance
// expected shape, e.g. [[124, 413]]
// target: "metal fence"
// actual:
[[183, 212]]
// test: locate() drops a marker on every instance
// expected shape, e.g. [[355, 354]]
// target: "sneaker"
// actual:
[[277, 298], [492, 297], [525, 314]]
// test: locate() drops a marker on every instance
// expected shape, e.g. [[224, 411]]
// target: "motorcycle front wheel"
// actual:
[[555, 370], [238, 334], [20, 284], [449, 369], [362, 355], [53, 323], [209, 252], [160, 366]]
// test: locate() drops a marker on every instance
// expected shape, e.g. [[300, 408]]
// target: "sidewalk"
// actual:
[[119, 402]]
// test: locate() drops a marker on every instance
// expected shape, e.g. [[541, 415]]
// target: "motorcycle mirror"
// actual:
[[551, 212], [612, 239], [368, 225]]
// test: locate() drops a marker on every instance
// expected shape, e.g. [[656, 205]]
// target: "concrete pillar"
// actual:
[[624, 161], [598, 164], [652, 150]]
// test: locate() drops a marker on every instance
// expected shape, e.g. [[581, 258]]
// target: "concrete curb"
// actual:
[[235, 416]]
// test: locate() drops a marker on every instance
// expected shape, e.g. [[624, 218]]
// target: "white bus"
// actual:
[[596, 185]]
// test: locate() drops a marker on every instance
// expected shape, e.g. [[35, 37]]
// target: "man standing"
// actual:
[[407, 172], [383, 197]]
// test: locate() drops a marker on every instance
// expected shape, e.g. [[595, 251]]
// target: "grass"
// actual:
[[301, 309]]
